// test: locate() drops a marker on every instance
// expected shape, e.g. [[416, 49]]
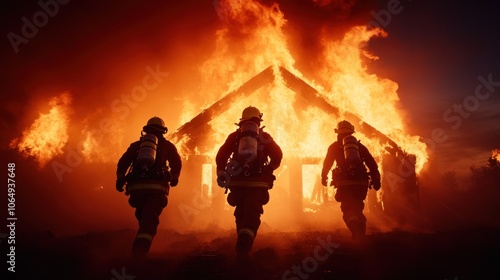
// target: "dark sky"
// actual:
[[435, 51]]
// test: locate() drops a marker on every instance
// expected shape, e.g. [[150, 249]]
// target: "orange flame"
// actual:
[[253, 39], [495, 154], [252, 30], [100, 141], [366, 95], [48, 134]]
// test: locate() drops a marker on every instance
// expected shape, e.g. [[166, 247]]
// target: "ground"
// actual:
[[463, 253]]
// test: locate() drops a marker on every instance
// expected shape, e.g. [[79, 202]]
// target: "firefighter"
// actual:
[[148, 180], [245, 165], [350, 177]]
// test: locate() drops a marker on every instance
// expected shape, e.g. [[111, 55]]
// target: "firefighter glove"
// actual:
[[222, 178], [222, 181], [324, 182], [120, 183], [267, 170], [376, 185], [174, 182]]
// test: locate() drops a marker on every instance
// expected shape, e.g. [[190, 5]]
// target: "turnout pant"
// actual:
[[148, 207], [351, 200], [249, 207]]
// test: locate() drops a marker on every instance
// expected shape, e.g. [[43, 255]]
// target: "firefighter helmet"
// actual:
[[157, 124], [344, 127], [250, 112]]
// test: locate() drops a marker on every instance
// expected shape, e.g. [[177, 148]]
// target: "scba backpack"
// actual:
[[350, 170], [145, 166], [248, 142]]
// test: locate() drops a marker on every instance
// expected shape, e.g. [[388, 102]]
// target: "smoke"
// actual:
[[310, 22], [339, 4]]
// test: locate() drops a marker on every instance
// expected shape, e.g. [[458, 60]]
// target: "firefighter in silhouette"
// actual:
[[245, 165], [148, 169], [350, 177]]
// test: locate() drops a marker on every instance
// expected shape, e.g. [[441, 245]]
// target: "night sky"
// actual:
[[436, 51], [439, 53]]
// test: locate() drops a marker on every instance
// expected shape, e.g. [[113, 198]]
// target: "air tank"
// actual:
[[147, 151], [351, 150], [247, 146]]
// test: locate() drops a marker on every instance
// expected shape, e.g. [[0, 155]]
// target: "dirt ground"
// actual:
[[464, 253]]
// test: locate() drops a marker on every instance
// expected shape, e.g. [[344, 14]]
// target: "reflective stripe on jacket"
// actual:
[[352, 183], [248, 184], [145, 187]]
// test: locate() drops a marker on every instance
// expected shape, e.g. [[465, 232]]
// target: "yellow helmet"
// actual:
[[250, 112], [157, 124], [344, 127]]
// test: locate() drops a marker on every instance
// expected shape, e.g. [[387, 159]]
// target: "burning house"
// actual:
[[299, 176], [300, 110], [252, 63]]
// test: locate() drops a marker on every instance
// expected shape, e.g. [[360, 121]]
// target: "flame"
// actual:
[[206, 181], [47, 135], [495, 154], [90, 147], [255, 32], [253, 38], [100, 141], [367, 95]]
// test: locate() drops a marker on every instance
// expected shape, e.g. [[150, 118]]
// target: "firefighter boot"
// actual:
[[358, 231], [140, 248], [244, 243]]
